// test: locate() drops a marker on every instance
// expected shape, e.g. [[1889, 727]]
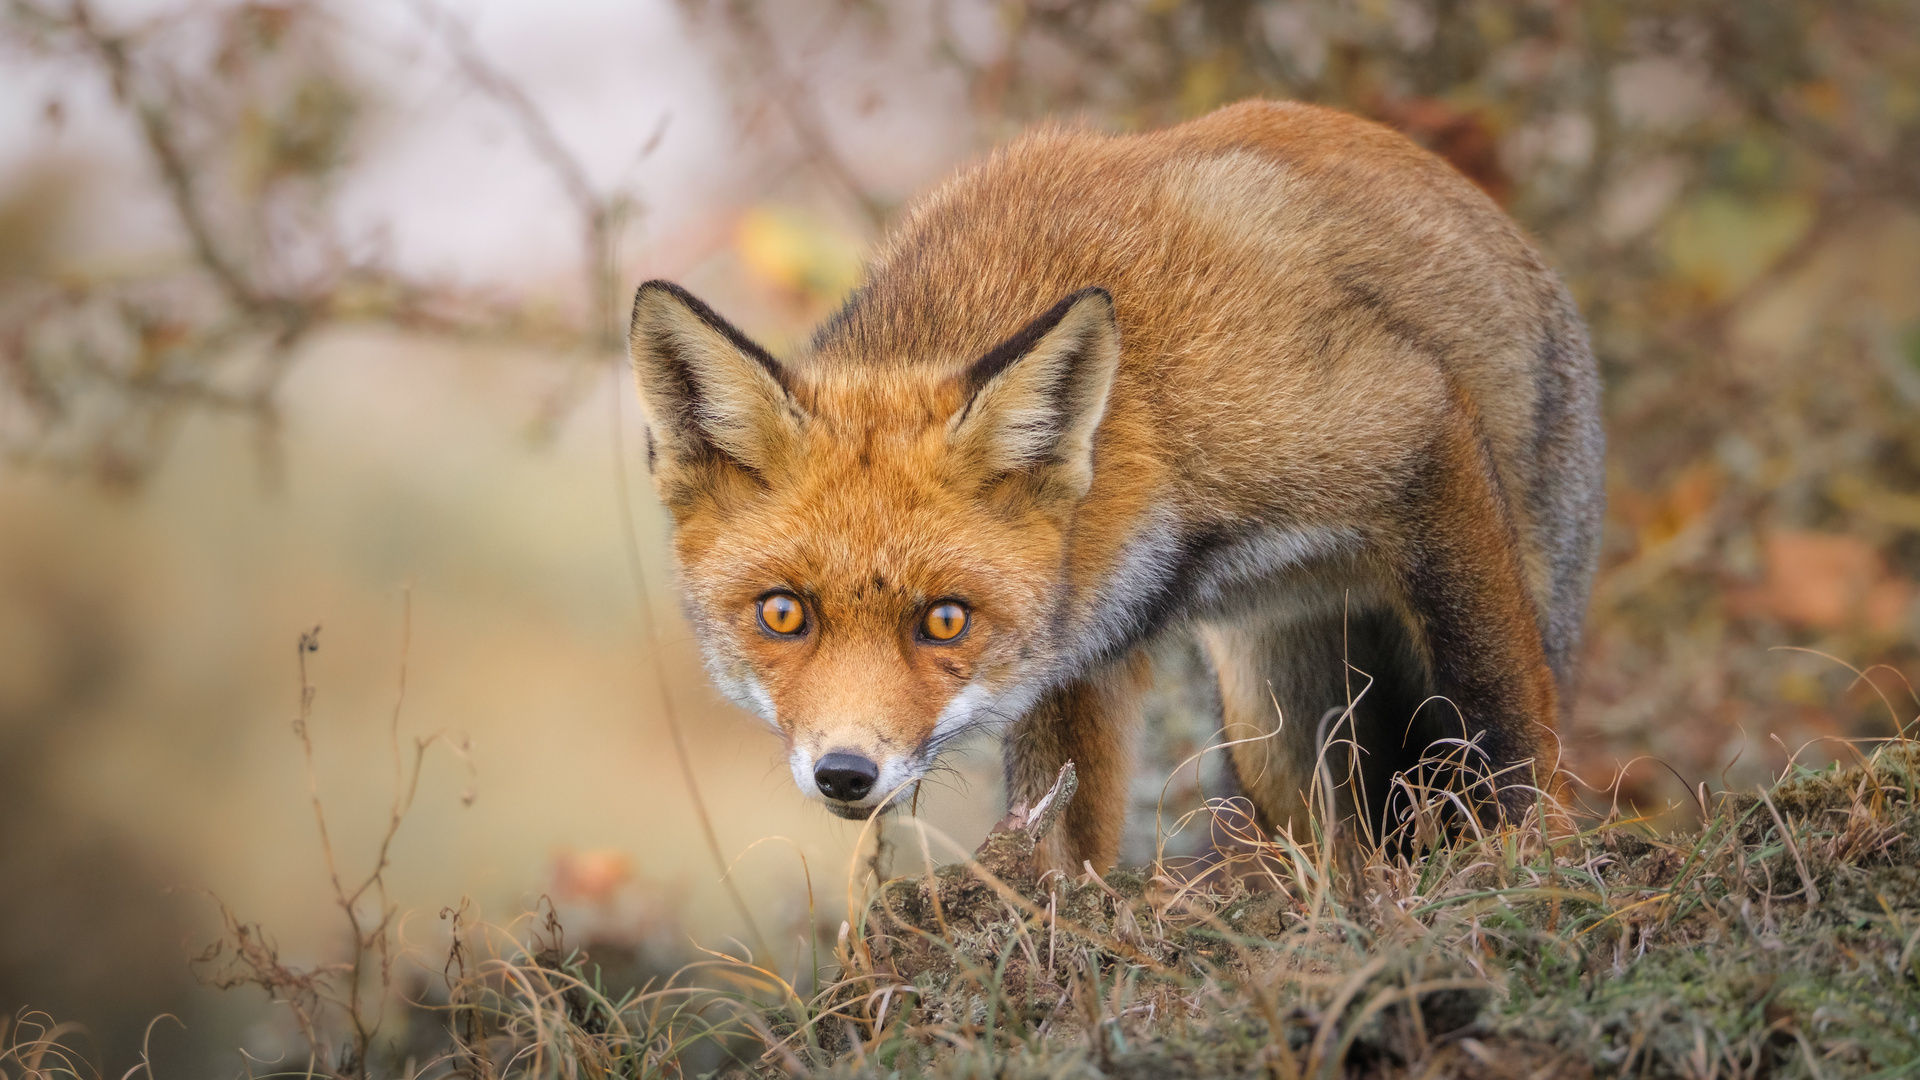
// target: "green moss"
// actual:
[[1618, 953], [1782, 939]]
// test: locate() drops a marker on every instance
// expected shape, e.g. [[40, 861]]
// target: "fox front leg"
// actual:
[[1092, 722]]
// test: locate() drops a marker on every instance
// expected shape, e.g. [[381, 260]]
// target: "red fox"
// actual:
[[1276, 374]]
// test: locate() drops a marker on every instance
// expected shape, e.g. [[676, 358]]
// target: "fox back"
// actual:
[[1276, 374]]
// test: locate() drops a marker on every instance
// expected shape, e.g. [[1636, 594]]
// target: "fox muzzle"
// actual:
[[845, 777], [852, 784]]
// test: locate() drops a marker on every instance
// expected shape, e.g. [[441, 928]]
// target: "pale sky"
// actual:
[[448, 182]]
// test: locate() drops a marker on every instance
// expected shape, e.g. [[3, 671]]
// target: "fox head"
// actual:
[[873, 548]]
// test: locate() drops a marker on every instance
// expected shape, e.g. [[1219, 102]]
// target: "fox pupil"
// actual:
[[781, 614], [945, 622]]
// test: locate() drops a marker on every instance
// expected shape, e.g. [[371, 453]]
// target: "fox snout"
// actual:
[[845, 777], [854, 783]]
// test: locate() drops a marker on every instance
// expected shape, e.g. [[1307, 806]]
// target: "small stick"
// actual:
[[1046, 813]]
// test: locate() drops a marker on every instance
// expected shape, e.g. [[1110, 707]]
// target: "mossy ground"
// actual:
[[1781, 939]]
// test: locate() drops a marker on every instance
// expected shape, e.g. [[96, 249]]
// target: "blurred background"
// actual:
[[310, 315]]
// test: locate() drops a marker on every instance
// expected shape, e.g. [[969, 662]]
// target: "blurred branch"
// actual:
[[163, 145], [102, 368], [176, 376], [796, 102], [294, 315], [602, 213]]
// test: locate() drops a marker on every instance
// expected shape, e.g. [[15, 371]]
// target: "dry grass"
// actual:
[[1781, 939]]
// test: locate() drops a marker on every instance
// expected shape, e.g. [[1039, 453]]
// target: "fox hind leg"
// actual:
[[1456, 652], [1289, 682], [1464, 587]]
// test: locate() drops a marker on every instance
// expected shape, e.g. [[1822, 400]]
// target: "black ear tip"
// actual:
[[1095, 298], [659, 285], [640, 296], [689, 303]]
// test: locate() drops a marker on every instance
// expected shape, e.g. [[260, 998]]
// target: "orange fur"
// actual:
[[1276, 373]]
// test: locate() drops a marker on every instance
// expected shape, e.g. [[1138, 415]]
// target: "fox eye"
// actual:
[[945, 621], [781, 613]]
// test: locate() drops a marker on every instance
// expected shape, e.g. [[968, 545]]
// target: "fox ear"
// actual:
[[711, 396], [1035, 400]]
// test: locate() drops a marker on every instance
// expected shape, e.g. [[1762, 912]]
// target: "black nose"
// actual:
[[846, 777]]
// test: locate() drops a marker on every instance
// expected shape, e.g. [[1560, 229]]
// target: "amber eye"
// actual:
[[782, 614], [945, 621]]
